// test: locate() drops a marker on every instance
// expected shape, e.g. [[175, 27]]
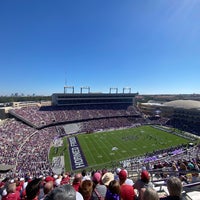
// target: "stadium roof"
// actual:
[[186, 104]]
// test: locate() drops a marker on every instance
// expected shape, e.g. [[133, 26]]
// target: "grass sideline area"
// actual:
[[106, 149]]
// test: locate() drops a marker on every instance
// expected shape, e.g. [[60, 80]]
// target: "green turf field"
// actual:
[[103, 148]]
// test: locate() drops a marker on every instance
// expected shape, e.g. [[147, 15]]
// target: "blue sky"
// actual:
[[152, 46]]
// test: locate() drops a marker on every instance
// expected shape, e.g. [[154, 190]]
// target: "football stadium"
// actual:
[[94, 132]]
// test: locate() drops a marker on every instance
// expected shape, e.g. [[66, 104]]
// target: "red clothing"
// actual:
[[65, 180], [127, 192], [49, 178], [19, 188], [12, 196], [2, 184], [76, 186]]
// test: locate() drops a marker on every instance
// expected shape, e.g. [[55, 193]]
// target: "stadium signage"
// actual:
[[77, 158]]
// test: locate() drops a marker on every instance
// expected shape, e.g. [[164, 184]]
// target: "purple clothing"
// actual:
[[111, 196]]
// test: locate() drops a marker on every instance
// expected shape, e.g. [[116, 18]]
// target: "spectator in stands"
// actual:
[[143, 183], [116, 177], [48, 179], [174, 169], [64, 192], [99, 190], [27, 180], [195, 177], [113, 191], [107, 178], [2, 188], [58, 180], [128, 181], [83, 173], [18, 185], [33, 189], [85, 176], [150, 194], [127, 191], [77, 181], [174, 187], [65, 179], [103, 171], [12, 193], [196, 167], [183, 172], [48, 187], [86, 188]]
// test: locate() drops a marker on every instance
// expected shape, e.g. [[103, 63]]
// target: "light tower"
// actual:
[[126, 88], [113, 88], [68, 87], [85, 88]]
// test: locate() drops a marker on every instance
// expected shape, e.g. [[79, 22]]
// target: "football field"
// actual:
[[102, 149]]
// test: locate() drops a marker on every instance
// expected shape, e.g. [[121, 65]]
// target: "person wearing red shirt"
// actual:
[[126, 191], [13, 194], [77, 181]]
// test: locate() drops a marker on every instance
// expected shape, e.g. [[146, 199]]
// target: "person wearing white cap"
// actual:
[[55, 176]]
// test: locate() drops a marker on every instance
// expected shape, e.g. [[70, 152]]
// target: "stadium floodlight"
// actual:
[[68, 87], [127, 88], [85, 88], [113, 88]]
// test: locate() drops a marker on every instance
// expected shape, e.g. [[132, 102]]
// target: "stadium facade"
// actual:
[[66, 99], [182, 114]]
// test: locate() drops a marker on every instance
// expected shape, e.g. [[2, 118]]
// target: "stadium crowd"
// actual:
[[43, 116], [26, 138], [185, 126], [107, 184], [27, 147]]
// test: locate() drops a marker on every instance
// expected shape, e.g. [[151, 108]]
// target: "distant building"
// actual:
[[183, 114], [4, 112], [31, 103], [150, 108]]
